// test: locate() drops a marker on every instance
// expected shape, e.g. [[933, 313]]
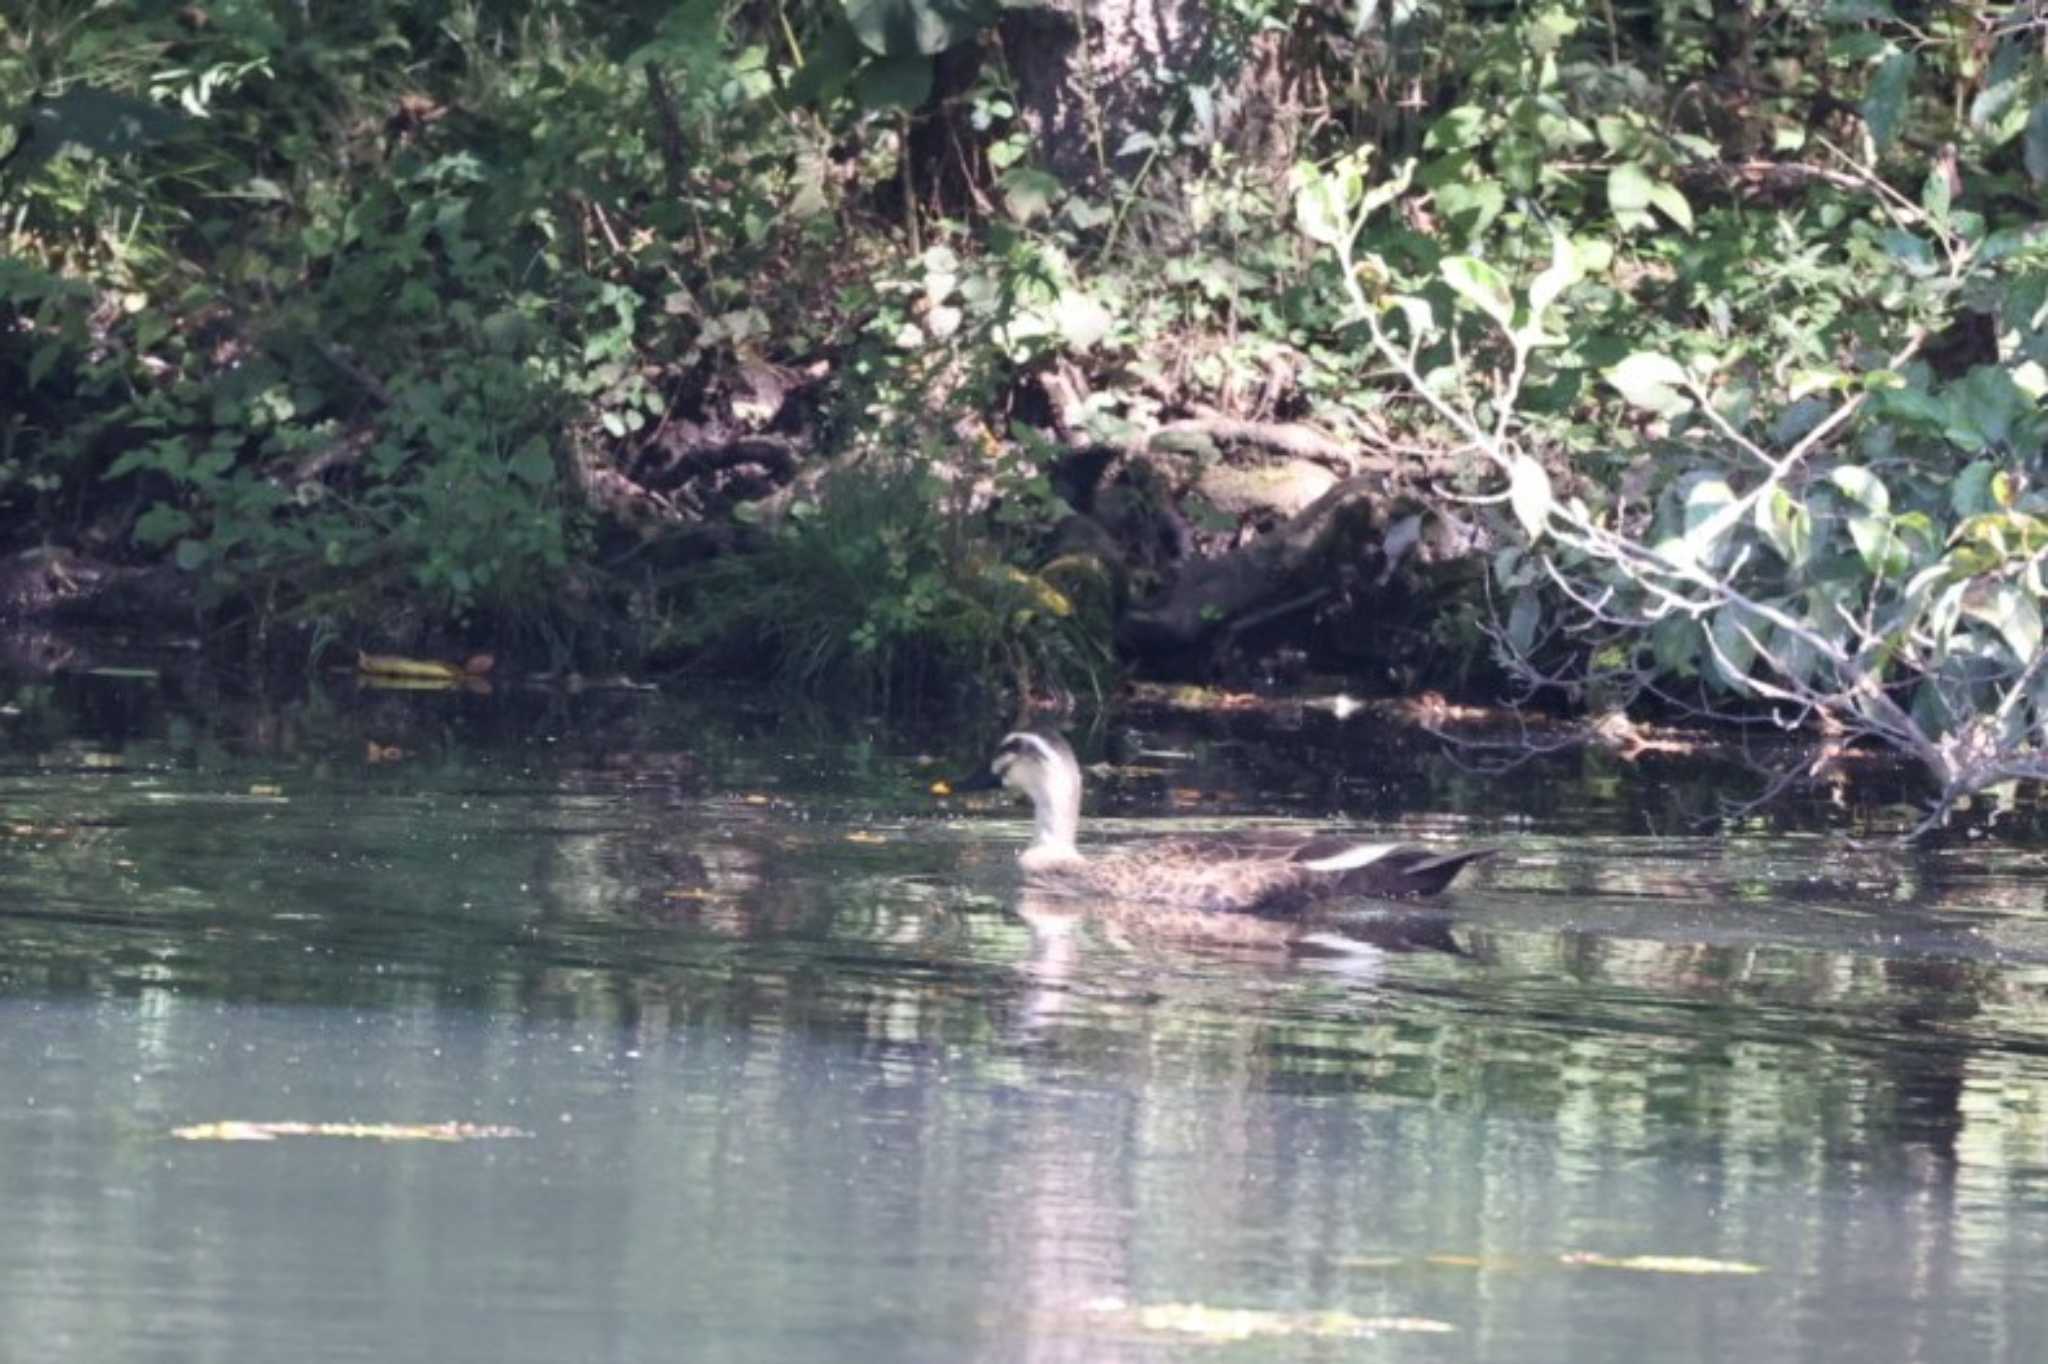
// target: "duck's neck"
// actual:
[[1055, 819]]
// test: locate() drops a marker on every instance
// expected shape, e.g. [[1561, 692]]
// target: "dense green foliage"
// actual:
[[1821, 490], [368, 318]]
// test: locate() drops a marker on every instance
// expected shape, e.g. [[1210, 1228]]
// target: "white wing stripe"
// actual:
[[1363, 855]]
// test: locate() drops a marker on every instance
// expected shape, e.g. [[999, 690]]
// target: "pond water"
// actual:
[[758, 1062]]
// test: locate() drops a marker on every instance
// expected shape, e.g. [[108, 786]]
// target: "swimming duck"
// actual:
[[1211, 881]]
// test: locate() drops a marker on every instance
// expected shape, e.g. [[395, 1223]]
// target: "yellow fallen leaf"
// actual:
[[861, 836], [1659, 1264], [1370, 1262], [1242, 1323], [265, 790], [373, 1131], [394, 665], [942, 788]]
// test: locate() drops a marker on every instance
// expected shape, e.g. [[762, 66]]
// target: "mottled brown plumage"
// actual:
[[1222, 887]]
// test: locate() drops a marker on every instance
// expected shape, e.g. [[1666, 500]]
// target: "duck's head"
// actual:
[[1041, 766]]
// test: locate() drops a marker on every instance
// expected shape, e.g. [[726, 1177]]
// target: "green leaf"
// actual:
[[161, 524], [1080, 320], [916, 28], [1619, 133], [1734, 648], [1856, 11], [1561, 274], [1915, 253], [1705, 501], [1873, 533], [1876, 545], [1674, 644], [43, 361], [830, 63], [1523, 617], [1530, 495], [1472, 207], [1970, 493], [1935, 195], [1994, 104], [1672, 200], [1983, 407], [1417, 313], [1884, 108], [1029, 193], [1459, 128], [192, 553], [1629, 188], [2013, 613], [1652, 382], [1480, 285], [894, 83], [1386, 191], [2034, 149], [1323, 201], [1786, 525], [533, 465], [1794, 658], [1863, 487]]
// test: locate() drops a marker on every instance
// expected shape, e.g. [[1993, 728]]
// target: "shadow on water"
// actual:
[[797, 1080]]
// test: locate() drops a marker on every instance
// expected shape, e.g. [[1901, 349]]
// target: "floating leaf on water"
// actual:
[[393, 665], [263, 789], [1243, 1323], [1659, 1264], [1370, 1262], [863, 836], [942, 788], [370, 1131]]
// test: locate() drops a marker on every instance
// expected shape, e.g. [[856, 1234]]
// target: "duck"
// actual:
[[1252, 886]]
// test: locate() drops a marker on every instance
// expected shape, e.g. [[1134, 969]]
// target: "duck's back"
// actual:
[[1268, 875], [1200, 875]]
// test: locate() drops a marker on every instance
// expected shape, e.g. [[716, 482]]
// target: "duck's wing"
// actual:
[[1387, 871], [1336, 864], [1202, 875]]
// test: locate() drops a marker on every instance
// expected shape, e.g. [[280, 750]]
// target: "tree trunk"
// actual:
[[1087, 75]]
